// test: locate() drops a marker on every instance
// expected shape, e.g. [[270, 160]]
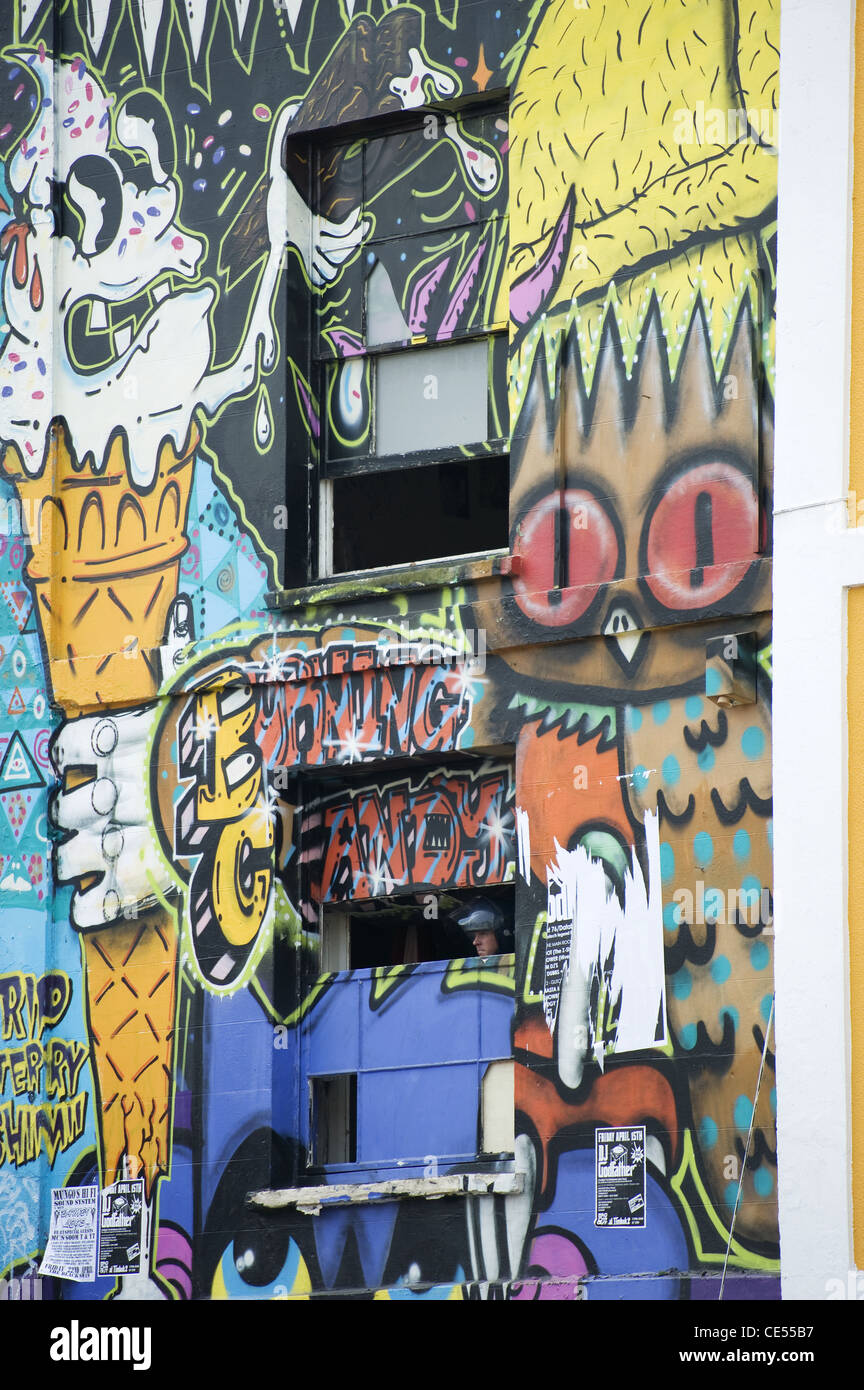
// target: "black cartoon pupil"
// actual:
[[95, 192], [702, 522]]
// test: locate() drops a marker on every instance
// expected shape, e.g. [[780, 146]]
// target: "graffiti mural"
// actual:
[[386, 404], [453, 829]]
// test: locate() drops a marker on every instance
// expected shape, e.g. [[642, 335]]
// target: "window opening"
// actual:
[[497, 1110], [333, 1102], [455, 925], [412, 344]]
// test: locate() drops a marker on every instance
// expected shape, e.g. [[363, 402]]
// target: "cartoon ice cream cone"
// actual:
[[108, 364], [104, 566], [104, 569]]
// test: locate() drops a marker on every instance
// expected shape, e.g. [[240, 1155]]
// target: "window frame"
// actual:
[[330, 467], [336, 973]]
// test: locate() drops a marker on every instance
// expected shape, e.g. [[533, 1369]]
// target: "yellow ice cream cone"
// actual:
[[104, 566], [104, 571]]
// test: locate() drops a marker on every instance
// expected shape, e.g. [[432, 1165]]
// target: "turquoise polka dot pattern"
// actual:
[[687, 1037], [741, 845], [667, 862], [712, 681], [720, 970], [763, 1182], [640, 778], [753, 742], [672, 916], [759, 955], [660, 711], [765, 1007], [743, 1113], [634, 719], [729, 1012], [693, 707], [703, 848], [773, 1098], [769, 831], [705, 760], [749, 899], [730, 1194], [708, 1132], [682, 983], [671, 770]]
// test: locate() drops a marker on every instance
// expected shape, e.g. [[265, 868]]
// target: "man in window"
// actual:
[[483, 921]]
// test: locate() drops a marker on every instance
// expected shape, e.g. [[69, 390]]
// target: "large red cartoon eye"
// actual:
[[702, 537], [569, 547]]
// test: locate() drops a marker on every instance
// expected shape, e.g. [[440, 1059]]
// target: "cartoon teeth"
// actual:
[[99, 331]]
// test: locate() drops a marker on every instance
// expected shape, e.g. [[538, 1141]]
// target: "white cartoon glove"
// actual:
[[324, 246], [107, 817]]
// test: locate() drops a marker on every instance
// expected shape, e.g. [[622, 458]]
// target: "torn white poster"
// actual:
[[605, 985], [71, 1249], [523, 843]]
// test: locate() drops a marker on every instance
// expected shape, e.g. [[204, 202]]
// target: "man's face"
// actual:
[[485, 942]]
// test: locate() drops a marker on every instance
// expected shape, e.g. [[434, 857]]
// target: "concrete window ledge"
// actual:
[[310, 1200]]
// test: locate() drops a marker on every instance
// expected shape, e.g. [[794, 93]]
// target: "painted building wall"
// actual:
[[180, 693]]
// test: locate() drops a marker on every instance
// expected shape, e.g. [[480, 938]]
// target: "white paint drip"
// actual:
[[29, 11], [410, 89], [481, 168], [98, 13], [263, 421], [196, 17], [241, 9], [150, 17]]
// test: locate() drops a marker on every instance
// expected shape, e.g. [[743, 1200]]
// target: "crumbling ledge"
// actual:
[[310, 1200]]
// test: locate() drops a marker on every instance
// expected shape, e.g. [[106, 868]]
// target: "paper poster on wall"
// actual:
[[70, 1252], [559, 931], [619, 1166], [604, 948], [120, 1228]]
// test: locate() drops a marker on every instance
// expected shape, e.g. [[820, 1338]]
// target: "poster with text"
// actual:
[[619, 1165], [120, 1228], [71, 1249]]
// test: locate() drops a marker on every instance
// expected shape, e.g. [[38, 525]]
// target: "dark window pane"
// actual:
[[419, 514]]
